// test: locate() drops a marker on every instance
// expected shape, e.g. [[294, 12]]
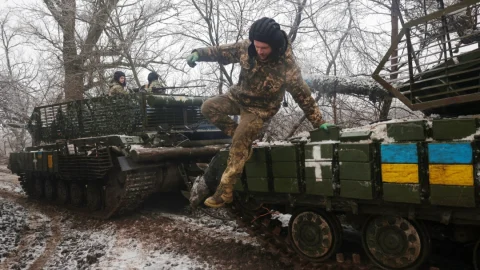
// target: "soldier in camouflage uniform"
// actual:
[[154, 84], [117, 84], [268, 69]]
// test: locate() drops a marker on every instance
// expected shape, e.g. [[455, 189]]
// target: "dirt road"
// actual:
[[162, 235]]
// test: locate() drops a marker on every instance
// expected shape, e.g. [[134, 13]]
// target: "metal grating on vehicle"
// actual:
[[122, 115], [93, 166], [435, 65]]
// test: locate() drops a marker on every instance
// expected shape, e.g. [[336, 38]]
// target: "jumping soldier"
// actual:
[[154, 84], [268, 69], [117, 84]]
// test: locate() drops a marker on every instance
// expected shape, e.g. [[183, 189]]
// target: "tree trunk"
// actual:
[[72, 65], [387, 101]]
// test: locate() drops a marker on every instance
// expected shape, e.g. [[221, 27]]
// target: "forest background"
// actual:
[[58, 50]]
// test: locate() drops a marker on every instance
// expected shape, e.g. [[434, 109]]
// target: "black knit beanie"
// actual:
[[117, 75], [268, 31]]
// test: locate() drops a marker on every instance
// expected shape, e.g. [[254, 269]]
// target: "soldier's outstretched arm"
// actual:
[[303, 96], [223, 54]]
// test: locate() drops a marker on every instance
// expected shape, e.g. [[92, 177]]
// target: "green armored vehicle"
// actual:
[[105, 155], [403, 183]]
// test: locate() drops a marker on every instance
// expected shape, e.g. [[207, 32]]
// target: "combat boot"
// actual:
[[223, 195]]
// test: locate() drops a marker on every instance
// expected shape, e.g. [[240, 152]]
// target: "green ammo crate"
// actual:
[[283, 153], [356, 189], [326, 170], [357, 152], [355, 136], [317, 151], [362, 171], [259, 155], [459, 196], [453, 129], [285, 169], [402, 193], [286, 185], [255, 170], [407, 131], [323, 187], [257, 184]]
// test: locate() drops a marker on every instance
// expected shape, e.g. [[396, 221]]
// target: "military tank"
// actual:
[[104, 156], [404, 184]]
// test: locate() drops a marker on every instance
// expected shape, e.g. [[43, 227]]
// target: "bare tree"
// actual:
[[80, 27]]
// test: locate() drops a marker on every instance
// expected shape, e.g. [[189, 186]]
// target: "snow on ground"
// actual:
[[283, 218], [128, 253], [8, 186], [227, 229]]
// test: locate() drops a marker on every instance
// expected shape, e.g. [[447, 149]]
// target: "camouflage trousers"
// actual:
[[217, 111]]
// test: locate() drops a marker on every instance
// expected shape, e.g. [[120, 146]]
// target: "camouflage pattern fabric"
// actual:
[[154, 84], [262, 84], [216, 110], [116, 89]]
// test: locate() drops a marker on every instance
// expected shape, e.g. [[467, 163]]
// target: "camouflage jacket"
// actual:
[[154, 84], [262, 85], [116, 89]]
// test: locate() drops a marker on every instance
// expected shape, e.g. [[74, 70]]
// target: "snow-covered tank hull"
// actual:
[[105, 156]]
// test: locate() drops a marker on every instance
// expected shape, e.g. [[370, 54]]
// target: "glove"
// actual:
[[325, 126], [191, 59]]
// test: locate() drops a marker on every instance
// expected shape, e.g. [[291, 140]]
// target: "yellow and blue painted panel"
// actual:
[[450, 164], [450, 153], [400, 173], [451, 175], [399, 163], [399, 153]]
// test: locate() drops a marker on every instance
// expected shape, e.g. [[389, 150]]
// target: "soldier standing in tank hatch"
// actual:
[[117, 84], [268, 69], [154, 85]]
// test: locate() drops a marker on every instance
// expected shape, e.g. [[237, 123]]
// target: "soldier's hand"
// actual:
[[192, 58]]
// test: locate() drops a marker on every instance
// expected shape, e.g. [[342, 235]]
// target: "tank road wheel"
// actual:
[[395, 243], [50, 189], [63, 192], [77, 194], [476, 256], [94, 197], [315, 234], [38, 190]]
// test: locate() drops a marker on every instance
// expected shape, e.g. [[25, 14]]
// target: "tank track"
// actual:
[[137, 187], [274, 238], [24, 184]]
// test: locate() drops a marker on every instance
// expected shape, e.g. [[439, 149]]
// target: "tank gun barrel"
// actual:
[[172, 153], [171, 100]]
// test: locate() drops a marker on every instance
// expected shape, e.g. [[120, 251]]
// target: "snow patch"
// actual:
[[227, 229], [283, 218], [10, 187], [128, 253]]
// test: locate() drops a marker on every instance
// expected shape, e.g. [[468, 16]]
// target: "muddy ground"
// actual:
[[164, 234]]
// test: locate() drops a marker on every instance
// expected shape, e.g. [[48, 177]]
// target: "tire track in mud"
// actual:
[[41, 233], [51, 245]]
